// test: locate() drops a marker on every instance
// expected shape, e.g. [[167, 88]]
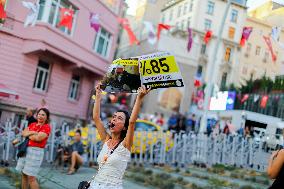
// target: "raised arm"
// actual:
[[96, 115], [276, 161], [128, 141]]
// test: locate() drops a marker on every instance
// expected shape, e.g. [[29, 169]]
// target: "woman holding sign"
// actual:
[[115, 154]]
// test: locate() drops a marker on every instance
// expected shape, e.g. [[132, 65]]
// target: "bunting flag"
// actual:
[[33, 13], [245, 35], [95, 21], [275, 35], [207, 36], [263, 101], [197, 81], [190, 40], [268, 42], [2, 11], [125, 24], [255, 98], [152, 39], [160, 27], [245, 97], [66, 18]]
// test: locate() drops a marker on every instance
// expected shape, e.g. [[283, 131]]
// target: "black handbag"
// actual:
[[22, 148], [86, 184]]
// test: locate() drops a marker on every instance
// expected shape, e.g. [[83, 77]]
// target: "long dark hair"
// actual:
[[126, 123], [46, 111]]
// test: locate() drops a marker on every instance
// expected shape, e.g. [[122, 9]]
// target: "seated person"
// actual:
[[75, 153]]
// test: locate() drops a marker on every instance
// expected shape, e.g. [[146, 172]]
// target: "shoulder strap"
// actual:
[[115, 147]]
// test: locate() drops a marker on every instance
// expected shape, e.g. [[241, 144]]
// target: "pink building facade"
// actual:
[[52, 63]]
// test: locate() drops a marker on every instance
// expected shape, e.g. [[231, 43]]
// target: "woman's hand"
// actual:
[[27, 133], [142, 92], [98, 91]]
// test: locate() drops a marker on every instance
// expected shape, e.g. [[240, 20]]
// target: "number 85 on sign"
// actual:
[[157, 66]]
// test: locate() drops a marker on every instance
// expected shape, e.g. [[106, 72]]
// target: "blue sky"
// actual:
[[133, 3]]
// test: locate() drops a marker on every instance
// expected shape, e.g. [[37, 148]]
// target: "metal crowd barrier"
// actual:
[[158, 147]]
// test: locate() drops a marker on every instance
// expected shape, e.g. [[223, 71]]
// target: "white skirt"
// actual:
[[96, 185]]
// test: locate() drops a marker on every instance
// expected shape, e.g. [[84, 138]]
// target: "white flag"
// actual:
[[275, 33], [152, 38], [33, 13]]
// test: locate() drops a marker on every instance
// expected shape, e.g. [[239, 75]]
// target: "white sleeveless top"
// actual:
[[111, 172]]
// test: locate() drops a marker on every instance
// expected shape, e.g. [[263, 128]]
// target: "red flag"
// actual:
[[125, 24], [66, 18], [2, 11], [245, 97], [268, 42], [245, 35], [160, 27], [207, 36], [263, 101]]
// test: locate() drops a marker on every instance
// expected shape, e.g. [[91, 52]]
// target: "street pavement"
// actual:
[[51, 178]]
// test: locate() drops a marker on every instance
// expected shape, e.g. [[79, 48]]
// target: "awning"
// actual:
[[7, 93]]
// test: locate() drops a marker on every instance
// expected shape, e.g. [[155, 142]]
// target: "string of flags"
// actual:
[[262, 100], [67, 16]]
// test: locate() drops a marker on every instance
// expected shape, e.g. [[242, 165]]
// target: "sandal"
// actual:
[[71, 172]]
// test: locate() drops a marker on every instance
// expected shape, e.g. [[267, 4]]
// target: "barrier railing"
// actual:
[[155, 147]]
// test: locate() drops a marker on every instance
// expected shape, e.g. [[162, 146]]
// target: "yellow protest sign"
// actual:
[[160, 65]]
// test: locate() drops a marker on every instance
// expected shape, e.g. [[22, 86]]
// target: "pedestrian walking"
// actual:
[[275, 169], [115, 154], [29, 164]]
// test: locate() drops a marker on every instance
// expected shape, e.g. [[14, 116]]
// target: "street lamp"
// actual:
[[210, 85]]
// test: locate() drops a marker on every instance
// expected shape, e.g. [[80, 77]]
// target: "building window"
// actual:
[[190, 6], [227, 54], [199, 70], [163, 18], [231, 32], [266, 56], [74, 88], [224, 80], [50, 12], [182, 25], [245, 70], [234, 15], [178, 25], [185, 8], [203, 49], [188, 22], [248, 50], [113, 5], [257, 50], [171, 15], [207, 24], [210, 8], [42, 76], [179, 11], [102, 42]]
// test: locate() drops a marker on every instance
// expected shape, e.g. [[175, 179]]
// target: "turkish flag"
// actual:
[[160, 27], [263, 101], [2, 12], [207, 36], [131, 36], [66, 18], [269, 44], [245, 97]]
